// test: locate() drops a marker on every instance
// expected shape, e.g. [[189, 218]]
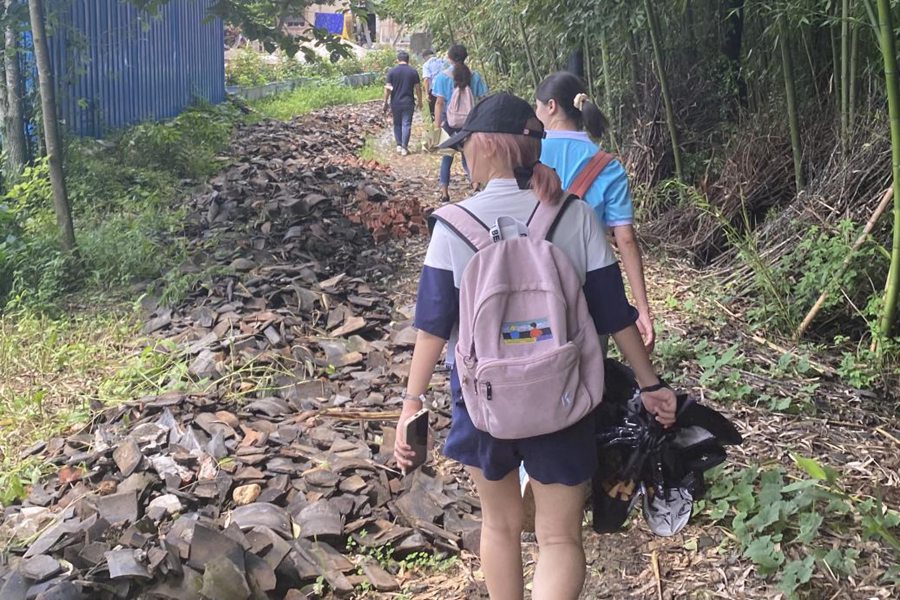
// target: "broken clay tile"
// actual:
[[118, 508], [40, 568], [208, 543], [260, 575], [352, 325], [64, 590], [353, 484], [381, 580], [124, 563], [261, 514], [127, 456], [320, 520], [222, 580], [272, 407]]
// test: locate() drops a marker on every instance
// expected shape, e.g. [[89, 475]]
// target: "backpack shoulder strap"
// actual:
[[546, 217], [589, 173], [464, 224]]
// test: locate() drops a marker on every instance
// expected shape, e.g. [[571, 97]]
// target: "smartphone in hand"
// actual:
[[417, 438]]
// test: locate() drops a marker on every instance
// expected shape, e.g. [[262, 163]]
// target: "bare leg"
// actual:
[[501, 534], [559, 574]]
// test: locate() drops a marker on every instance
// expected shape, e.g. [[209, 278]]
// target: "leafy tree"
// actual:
[[264, 21]]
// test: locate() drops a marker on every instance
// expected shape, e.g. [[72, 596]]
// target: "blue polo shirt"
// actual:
[[568, 152]]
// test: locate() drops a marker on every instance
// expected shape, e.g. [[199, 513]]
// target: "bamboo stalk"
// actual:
[[873, 20], [845, 73], [790, 95], [607, 90], [588, 67], [854, 65], [449, 28], [531, 64], [633, 63], [870, 225], [889, 54], [653, 26], [835, 64]]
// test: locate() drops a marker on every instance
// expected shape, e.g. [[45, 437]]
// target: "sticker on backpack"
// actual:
[[527, 332]]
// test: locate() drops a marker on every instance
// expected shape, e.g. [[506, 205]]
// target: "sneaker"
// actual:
[[667, 513], [399, 150], [445, 199], [404, 152]]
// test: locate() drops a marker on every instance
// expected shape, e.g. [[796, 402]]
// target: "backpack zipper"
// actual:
[[490, 393]]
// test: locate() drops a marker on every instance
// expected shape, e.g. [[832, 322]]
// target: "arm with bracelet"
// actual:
[[425, 357]]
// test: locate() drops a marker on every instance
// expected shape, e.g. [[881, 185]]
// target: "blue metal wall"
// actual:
[[115, 66]]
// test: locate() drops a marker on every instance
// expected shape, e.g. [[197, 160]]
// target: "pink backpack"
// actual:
[[461, 102], [528, 354]]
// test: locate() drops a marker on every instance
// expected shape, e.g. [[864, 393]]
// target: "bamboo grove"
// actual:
[[713, 100]]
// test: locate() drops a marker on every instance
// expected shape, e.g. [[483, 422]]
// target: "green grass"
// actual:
[[50, 368], [69, 335], [285, 107]]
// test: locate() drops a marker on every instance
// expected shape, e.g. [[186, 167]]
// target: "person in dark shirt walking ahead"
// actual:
[[402, 83]]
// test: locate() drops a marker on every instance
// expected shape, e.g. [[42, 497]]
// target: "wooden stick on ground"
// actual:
[[814, 365], [654, 564], [887, 435], [870, 225]]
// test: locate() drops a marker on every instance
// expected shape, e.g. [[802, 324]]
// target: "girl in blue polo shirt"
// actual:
[[457, 76], [572, 119]]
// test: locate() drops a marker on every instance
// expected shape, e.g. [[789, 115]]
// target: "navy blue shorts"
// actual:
[[568, 456]]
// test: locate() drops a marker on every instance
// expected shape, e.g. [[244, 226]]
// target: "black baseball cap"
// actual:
[[498, 113]]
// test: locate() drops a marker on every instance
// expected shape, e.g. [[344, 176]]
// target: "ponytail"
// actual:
[[593, 120], [545, 184], [565, 88], [462, 74]]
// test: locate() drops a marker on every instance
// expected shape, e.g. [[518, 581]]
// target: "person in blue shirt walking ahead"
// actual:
[[572, 119], [433, 66], [457, 89]]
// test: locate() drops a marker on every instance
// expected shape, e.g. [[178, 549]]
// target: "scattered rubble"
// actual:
[[277, 473]]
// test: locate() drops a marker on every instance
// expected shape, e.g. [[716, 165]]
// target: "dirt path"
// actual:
[[281, 368]]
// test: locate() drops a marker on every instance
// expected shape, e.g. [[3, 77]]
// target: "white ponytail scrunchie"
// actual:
[[579, 101]]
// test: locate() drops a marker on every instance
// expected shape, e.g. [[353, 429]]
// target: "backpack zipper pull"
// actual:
[[490, 393]]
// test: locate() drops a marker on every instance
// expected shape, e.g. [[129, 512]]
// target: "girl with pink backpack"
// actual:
[[456, 90], [519, 281]]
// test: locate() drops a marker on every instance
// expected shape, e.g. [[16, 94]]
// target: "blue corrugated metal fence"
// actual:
[[115, 66]]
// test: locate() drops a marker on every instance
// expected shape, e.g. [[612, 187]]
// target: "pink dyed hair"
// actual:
[[519, 151]]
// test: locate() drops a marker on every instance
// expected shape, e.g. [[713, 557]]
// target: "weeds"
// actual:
[[50, 367], [670, 354], [416, 562], [721, 372], [779, 521], [187, 146], [306, 99], [370, 151], [249, 68], [122, 195]]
